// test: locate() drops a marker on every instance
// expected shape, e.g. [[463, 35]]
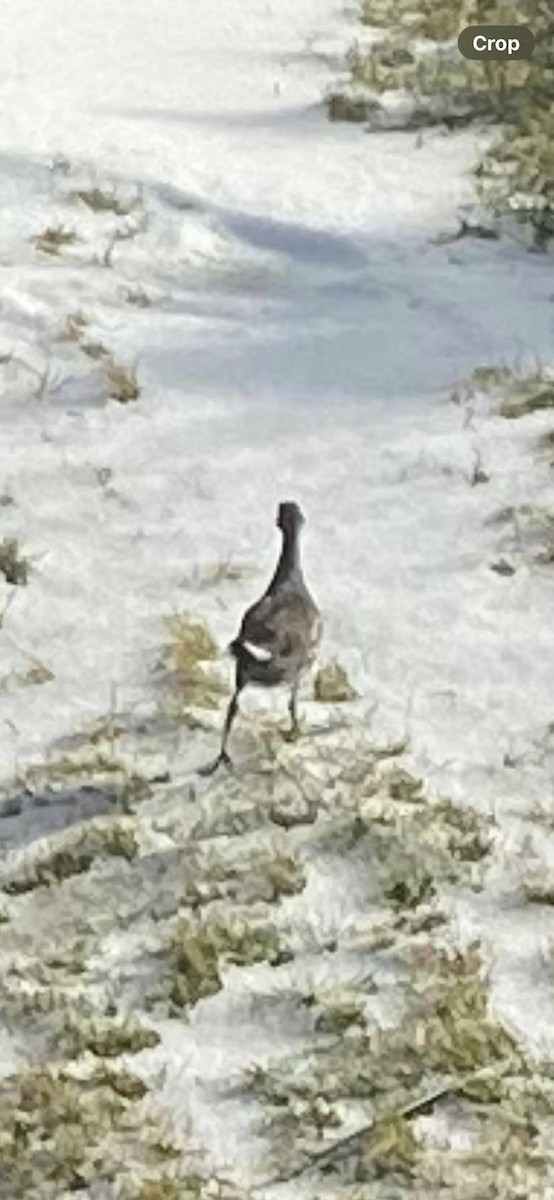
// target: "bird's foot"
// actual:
[[222, 759], [293, 733]]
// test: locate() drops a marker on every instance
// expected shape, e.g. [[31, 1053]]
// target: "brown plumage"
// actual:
[[279, 635]]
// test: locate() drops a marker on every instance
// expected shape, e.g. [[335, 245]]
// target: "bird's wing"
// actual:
[[277, 627]]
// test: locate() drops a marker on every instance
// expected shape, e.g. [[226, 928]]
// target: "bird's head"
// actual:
[[289, 517]]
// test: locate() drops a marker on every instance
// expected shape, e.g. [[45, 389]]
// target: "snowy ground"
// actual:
[[298, 330]]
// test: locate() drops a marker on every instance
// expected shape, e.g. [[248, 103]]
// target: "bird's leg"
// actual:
[[223, 756], [294, 731], [231, 714]]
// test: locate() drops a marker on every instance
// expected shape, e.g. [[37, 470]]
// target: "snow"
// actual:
[[303, 332]]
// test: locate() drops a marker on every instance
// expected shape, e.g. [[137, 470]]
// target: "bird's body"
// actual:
[[280, 633]]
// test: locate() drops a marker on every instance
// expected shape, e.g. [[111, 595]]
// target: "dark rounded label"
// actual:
[[496, 42]]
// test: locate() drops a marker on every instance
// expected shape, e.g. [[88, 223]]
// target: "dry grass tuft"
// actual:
[[53, 239], [195, 970], [103, 1035], [122, 381], [74, 330], [13, 565], [332, 685], [443, 1041], [191, 642], [244, 943], [264, 876], [283, 874], [93, 761], [539, 889], [94, 350], [389, 1149], [137, 297], [438, 21], [536, 396], [214, 574], [190, 647], [403, 786], [74, 327], [101, 201], [65, 1132], [547, 443], [342, 107], [74, 854], [339, 1010], [415, 57]]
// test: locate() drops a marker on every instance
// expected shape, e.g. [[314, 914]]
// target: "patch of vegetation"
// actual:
[[191, 642], [182, 1184], [138, 297], [14, 566], [417, 58], [92, 763], [468, 835], [539, 891], [167, 1188], [100, 200], [102, 730], [403, 786], [547, 443], [263, 876], [509, 1162], [431, 831], [190, 647], [243, 942], [36, 675], [339, 1010], [94, 350], [541, 526], [532, 529], [213, 575], [60, 865], [436, 84], [74, 330], [437, 20], [344, 107], [390, 1149], [49, 1123], [121, 1081], [67, 1132], [516, 177], [534, 399], [54, 238], [514, 392], [122, 381], [282, 874], [444, 1041], [75, 853], [198, 949], [102, 1034], [454, 1032], [410, 889], [71, 961], [332, 685], [195, 965], [413, 845], [292, 807]]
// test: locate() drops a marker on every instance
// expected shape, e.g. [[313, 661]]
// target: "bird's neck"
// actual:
[[288, 566]]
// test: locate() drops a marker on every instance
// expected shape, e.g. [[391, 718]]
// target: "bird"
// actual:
[[279, 634]]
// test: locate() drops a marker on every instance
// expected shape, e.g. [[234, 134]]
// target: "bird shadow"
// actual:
[[29, 815]]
